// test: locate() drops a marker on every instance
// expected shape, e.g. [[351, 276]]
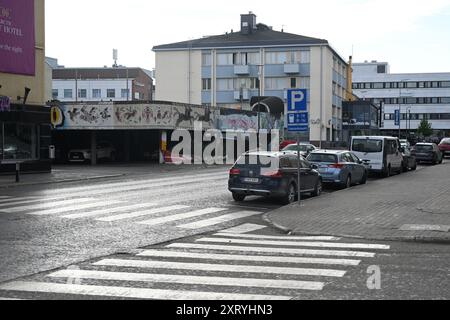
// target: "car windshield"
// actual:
[[367, 145], [422, 148], [260, 161], [322, 157], [445, 141], [294, 147]]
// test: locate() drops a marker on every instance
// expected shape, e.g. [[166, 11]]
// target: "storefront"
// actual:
[[25, 136]]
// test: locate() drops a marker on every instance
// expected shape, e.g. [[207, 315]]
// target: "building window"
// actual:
[[246, 83], [55, 94], [254, 58], [125, 93], [411, 85], [68, 94], [225, 84], [224, 59], [381, 69], [111, 93], [445, 100], [435, 84], [378, 85], [82, 93], [96, 93], [206, 59], [21, 141], [206, 84], [276, 83], [276, 57], [293, 83], [445, 84]]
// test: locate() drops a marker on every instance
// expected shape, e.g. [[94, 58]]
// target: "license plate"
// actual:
[[251, 180]]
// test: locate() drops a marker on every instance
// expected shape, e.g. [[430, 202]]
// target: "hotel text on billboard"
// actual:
[[17, 39]]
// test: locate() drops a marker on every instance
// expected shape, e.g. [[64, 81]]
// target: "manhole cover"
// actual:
[[424, 227]]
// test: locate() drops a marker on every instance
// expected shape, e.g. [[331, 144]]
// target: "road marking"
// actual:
[[75, 207], [180, 216], [133, 293], [185, 279], [21, 200], [218, 220], [61, 203], [298, 243], [220, 267], [232, 257], [112, 210], [338, 253], [256, 236], [140, 213], [244, 228]]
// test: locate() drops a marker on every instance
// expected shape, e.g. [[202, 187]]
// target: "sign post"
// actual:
[[298, 121]]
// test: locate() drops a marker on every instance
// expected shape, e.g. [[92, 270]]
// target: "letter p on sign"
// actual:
[[297, 100]]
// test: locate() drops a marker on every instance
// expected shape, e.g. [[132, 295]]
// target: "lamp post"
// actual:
[[408, 121], [400, 106]]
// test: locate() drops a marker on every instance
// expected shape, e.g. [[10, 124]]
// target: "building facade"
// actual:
[[230, 69], [416, 96], [101, 84], [24, 87]]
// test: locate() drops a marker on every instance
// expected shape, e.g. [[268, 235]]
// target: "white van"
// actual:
[[381, 154]]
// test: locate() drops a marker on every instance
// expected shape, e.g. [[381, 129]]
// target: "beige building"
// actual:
[[227, 70]]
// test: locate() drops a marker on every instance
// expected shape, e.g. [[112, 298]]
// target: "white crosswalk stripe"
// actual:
[[45, 205], [219, 220], [255, 236], [19, 200], [184, 279], [244, 228], [121, 208], [234, 257], [76, 207], [176, 217], [5, 197], [141, 213], [296, 243], [274, 250], [131, 293]]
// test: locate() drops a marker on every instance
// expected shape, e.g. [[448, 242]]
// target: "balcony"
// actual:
[[241, 69], [291, 68]]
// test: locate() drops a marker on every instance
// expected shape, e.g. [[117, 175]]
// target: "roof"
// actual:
[[261, 37], [330, 151], [97, 73]]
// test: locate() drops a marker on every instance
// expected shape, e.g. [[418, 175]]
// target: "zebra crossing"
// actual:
[[93, 203], [273, 267]]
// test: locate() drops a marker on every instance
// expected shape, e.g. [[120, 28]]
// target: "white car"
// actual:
[[104, 151]]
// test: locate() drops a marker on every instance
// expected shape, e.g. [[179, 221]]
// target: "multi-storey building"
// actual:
[[416, 96], [229, 69], [25, 82], [101, 84]]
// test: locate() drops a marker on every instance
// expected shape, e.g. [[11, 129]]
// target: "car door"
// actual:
[[359, 168], [308, 175]]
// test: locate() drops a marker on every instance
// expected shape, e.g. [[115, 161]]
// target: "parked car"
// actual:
[[427, 152], [444, 146], [105, 151], [409, 161], [342, 168], [272, 174], [285, 143], [305, 148], [381, 154]]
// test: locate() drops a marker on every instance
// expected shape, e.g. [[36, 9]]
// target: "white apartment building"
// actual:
[[227, 70], [417, 95], [101, 84]]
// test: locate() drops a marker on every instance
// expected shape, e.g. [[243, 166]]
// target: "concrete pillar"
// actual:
[[93, 148], [163, 146]]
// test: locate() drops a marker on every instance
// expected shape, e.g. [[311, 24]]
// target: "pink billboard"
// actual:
[[17, 39]]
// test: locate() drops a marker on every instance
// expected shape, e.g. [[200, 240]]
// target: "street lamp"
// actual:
[[400, 106], [408, 121]]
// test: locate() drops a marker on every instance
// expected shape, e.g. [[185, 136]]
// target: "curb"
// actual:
[[60, 181], [413, 239]]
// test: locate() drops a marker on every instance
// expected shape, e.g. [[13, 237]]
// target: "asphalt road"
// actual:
[[94, 226]]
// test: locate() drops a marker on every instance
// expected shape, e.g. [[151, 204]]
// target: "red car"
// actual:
[[285, 143], [444, 146]]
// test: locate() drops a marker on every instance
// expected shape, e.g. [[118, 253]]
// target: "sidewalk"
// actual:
[[72, 173], [409, 207]]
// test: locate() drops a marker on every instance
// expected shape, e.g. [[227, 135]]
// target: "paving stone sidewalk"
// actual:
[[414, 206]]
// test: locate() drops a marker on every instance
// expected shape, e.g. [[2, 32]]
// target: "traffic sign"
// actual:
[[298, 122], [297, 100]]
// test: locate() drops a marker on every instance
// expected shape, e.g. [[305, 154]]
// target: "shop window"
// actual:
[[110, 93], [20, 141]]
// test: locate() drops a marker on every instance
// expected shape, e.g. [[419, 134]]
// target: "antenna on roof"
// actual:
[[115, 56]]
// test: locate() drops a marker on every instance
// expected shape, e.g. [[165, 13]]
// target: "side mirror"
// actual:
[[314, 166], [360, 162], [402, 150]]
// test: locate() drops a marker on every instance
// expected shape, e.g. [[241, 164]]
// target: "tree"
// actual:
[[425, 129]]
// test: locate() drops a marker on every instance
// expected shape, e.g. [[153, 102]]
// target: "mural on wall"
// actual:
[[241, 120], [87, 115]]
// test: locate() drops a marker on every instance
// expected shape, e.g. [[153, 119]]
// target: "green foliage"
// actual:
[[425, 129]]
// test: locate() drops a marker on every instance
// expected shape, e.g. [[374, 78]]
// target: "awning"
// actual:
[[274, 105]]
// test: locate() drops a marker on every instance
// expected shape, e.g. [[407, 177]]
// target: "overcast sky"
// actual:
[[412, 35]]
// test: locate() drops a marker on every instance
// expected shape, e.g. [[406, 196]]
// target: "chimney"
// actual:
[[248, 23]]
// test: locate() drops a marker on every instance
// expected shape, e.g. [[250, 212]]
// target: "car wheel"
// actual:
[[348, 182], [290, 196], [318, 189], [238, 197], [364, 178]]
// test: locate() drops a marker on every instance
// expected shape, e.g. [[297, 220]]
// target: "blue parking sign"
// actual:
[[297, 100], [298, 122]]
